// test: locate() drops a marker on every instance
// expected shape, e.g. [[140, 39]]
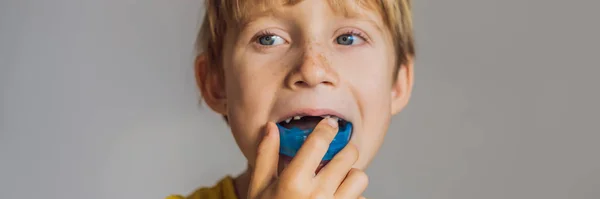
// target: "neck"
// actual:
[[241, 184]]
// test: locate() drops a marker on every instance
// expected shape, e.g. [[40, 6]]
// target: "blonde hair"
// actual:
[[224, 15]]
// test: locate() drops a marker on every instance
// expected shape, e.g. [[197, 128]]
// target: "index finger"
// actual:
[[314, 148]]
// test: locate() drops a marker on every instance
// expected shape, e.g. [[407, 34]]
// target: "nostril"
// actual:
[[301, 83]]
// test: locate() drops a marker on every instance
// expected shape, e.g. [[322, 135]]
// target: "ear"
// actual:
[[211, 84], [402, 87]]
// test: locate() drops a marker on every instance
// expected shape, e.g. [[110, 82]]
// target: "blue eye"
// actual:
[[349, 39], [270, 40]]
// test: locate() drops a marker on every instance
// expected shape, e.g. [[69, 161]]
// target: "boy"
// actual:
[[266, 62]]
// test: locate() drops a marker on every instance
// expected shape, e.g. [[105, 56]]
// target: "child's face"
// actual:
[[307, 59]]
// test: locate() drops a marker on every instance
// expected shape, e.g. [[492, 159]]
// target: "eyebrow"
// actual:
[[371, 22], [363, 18], [364, 14]]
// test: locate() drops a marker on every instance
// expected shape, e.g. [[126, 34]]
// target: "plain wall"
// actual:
[[99, 101]]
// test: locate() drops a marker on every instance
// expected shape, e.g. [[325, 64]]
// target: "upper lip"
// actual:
[[312, 112]]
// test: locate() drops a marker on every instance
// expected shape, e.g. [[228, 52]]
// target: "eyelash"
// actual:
[[262, 34], [356, 33]]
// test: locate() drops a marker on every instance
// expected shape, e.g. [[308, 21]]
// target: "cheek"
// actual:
[[247, 106], [376, 105], [369, 76], [250, 82], [250, 91], [369, 67]]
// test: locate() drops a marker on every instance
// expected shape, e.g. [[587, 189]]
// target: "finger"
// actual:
[[314, 148], [332, 175], [362, 197], [267, 155], [354, 185]]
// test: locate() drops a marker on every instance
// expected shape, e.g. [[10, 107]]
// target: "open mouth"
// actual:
[[308, 122], [294, 131]]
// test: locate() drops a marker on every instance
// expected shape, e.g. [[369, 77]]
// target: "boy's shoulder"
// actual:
[[224, 189]]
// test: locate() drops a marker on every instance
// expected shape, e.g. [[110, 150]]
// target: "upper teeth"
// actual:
[[288, 120], [297, 117]]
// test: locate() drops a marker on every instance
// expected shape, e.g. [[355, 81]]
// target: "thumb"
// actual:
[[267, 155]]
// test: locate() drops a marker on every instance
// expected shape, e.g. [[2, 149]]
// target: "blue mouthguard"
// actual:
[[290, 140]]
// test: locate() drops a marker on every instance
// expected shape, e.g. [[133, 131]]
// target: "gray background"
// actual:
[[98, 101]]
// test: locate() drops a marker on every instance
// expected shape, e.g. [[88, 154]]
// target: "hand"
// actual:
[[337, 180]]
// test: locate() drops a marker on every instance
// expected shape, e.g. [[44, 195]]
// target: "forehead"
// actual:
[[240, 12]]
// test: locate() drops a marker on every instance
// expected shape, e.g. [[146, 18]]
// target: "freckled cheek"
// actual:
[[365, 70], [252, 85], [254, 77], [369, 79], [251, 95], [374, 98], [251, 91]]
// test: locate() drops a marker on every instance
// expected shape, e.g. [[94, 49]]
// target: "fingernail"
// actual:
[[332, 122]]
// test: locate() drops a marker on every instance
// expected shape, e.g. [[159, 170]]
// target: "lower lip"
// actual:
[[284, 162]]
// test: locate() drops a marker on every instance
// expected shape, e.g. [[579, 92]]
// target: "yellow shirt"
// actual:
[[222, 190]]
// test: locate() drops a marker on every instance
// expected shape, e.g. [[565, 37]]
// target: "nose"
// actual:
[[313, 70]]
